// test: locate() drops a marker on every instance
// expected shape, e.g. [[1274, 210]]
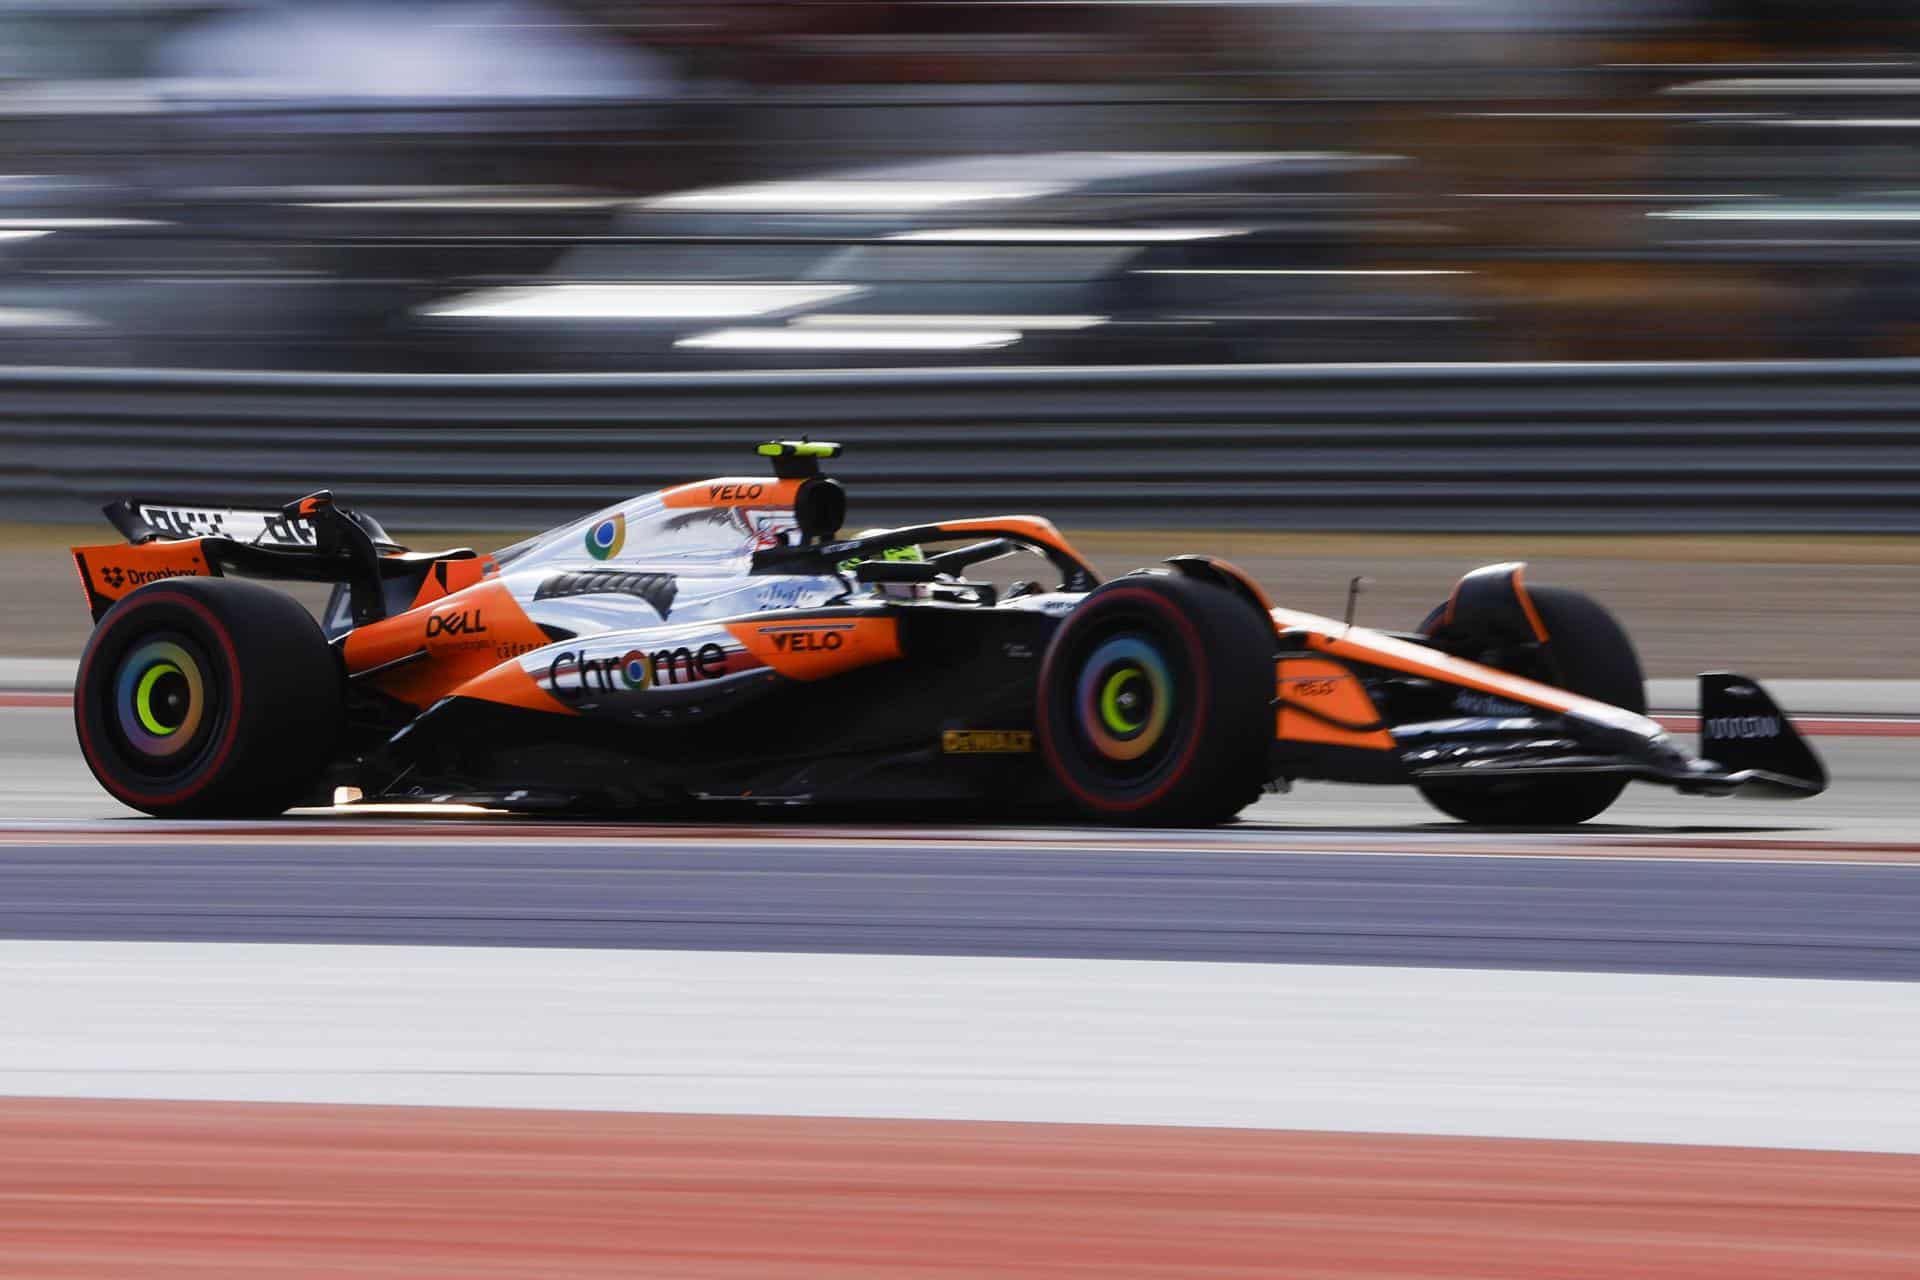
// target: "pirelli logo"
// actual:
[[974, 742]]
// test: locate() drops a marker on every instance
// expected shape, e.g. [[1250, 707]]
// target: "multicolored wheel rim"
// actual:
[[1125, 699], [605, 539], [160, 699]]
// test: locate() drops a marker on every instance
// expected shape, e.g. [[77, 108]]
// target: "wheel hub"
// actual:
[[160, 698], [1125, 698]]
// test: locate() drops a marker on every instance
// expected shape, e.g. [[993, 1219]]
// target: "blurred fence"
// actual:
[[1788, 447]]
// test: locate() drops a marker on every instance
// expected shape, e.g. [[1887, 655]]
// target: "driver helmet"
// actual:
[[908, 551]]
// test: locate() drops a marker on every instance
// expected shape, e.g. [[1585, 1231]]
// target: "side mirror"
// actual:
[[820, 508]]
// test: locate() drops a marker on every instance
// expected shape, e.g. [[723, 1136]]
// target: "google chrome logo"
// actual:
[[605, 539]]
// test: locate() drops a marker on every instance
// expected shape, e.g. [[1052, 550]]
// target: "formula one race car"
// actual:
[[722, 641]]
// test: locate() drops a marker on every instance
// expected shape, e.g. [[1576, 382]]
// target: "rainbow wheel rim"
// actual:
[[605, 539], [1125, 699], [160, 699]]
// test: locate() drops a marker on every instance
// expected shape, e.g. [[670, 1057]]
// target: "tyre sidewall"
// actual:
[[1141, 611], [1596, 659], [280, 699], [140, 615], [1219, 652]]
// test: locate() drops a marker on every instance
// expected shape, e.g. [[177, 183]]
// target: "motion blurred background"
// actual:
[[1394, 288], [552, 185], [1269, 267]]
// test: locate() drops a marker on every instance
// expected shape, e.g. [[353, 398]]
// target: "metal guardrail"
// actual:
[[1728, 447]]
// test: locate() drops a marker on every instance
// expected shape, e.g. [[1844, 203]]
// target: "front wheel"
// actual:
[[1155, 702], [210, 698], [1591, 655]]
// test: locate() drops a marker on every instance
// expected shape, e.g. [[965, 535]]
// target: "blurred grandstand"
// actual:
[[601, 185]]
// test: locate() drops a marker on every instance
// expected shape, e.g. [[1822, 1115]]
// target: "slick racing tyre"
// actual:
[[1155, 703], [1593, 657], [209, 698]]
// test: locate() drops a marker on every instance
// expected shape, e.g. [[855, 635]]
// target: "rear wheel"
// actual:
[[1591, 656], [208, 697], [1155, 703]]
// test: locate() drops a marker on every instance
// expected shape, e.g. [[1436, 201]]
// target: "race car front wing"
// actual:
[[1748, 747]]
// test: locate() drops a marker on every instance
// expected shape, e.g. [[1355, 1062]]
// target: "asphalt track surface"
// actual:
[[901, 896], [1822, 888], [958, 995]]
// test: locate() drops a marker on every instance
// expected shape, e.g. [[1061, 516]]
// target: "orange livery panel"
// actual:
[[434, 648], [448, 576], [1322, 701], [733, 491], [815, 648], [509, 685]]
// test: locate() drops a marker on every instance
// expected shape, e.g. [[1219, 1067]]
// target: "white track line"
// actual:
[[1741, 1061]]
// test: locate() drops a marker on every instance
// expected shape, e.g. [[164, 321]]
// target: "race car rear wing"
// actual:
[[301, 524], [310, 540]]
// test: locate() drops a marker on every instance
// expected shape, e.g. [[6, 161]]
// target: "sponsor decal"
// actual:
[[1725, 727], [973, 742], [460, 631], [826, 639], [116, 577], [467, 622], [290, 532], [1502, 724], [787, 595], [1017, 650], [605, 539], [215, 522], [184, 523], [726, 495], [1314, 686], [657, 589], [1484, 704], [574, 674]]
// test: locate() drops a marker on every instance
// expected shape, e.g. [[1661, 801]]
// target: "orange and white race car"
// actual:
[[721, 642]]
